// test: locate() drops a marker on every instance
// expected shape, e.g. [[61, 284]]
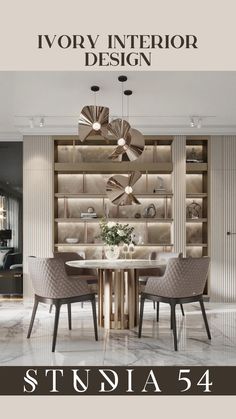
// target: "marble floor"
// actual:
[[78, 346]]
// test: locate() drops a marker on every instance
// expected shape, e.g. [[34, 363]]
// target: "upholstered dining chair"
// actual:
[[157, 272], [53, 286], [90, 275], [183, 282]]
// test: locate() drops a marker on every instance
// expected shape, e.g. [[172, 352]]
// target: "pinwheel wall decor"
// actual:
[[120, 189], [93, 120]]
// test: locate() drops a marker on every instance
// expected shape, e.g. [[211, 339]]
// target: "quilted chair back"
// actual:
[[50, 280], [66, 257], [184, 277]]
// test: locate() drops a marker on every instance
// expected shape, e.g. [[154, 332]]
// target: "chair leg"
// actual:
[[50, 308], [141, 317], [93, 301], [56, 321], [205, 318], [182, 309], [154, 305], [69, 316], [158, 307], [32, 317], [173, 320]]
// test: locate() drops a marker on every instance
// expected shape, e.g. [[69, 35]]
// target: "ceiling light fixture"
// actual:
[[93, 119], [192, 122], [130, 142], [199, 123], [31, 122], [120, 189]]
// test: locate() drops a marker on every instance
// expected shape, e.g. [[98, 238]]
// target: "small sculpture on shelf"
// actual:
[[150, 211], [193, 158], [194, 210], [160, 185]]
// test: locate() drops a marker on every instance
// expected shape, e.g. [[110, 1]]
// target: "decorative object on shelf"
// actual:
[[137, 215], [93, 119], [72, 240], [106, 210], [160, 185], [120, 189], [150, 211], [90, 210], [88, 215], [193, 157], [193, 210], [140, 239]]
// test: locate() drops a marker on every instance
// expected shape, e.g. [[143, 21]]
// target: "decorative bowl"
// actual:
[[72, 240]]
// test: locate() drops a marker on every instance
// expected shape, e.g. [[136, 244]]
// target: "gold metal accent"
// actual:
[[133, 141], [91, 115], [117, 187]]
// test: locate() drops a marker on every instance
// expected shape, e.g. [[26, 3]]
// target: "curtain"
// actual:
[[14, 222]]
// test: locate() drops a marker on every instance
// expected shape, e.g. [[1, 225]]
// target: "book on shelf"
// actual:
[[88, 215]]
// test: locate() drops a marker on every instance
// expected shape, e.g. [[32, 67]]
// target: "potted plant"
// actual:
[[113, 234]]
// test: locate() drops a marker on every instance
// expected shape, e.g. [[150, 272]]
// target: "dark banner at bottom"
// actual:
[[117, 381]]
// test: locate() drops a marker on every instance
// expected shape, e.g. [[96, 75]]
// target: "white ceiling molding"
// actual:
[[146, 130]]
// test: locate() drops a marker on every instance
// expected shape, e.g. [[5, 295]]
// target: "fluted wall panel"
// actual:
[[179, 193], [37, 200], [223, 218]]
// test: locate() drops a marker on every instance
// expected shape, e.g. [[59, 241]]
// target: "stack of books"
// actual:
[[88, 215]]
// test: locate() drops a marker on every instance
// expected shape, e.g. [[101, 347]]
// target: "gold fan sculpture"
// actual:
[[130, 142], [93, 120], [120, 189]]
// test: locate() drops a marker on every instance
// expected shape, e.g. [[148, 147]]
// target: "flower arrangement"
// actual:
[[114, 234]]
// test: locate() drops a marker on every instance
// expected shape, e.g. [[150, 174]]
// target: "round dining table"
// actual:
[[118, 289]]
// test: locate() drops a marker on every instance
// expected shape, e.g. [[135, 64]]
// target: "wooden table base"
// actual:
[[118, 299]]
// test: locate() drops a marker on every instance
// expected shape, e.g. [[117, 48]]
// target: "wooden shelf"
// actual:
[[196, 245], [104, 196], [114, 167], [196, 220], [196, 195], [119, 220], [196, 167]]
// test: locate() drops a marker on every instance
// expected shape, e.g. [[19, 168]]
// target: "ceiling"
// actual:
[[162, 102]]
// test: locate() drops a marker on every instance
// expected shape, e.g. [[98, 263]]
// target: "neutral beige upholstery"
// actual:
[[90, 275], [144, 274], [50, 280], [184, 277]]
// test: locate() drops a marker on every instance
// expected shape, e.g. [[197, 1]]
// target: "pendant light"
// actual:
[[130, 142], [93, 119], [120, 189]]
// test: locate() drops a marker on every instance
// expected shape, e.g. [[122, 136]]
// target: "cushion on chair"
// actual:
[[3, 255]]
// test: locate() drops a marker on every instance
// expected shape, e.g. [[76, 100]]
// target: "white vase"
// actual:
[[112, 252]]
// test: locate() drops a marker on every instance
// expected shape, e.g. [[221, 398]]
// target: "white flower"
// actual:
[[111, 224], [120, 233]]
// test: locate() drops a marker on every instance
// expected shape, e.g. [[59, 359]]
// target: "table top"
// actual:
[[116, 263]]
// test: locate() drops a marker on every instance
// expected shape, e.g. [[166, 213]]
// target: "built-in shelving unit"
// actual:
[[81, 173], [197, 196]]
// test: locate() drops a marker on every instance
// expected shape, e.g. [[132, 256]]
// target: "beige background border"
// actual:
[[214, 23]]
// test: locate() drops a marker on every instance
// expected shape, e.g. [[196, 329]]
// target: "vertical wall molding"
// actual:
[[223, 219], [37, 201], [179, 193]]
